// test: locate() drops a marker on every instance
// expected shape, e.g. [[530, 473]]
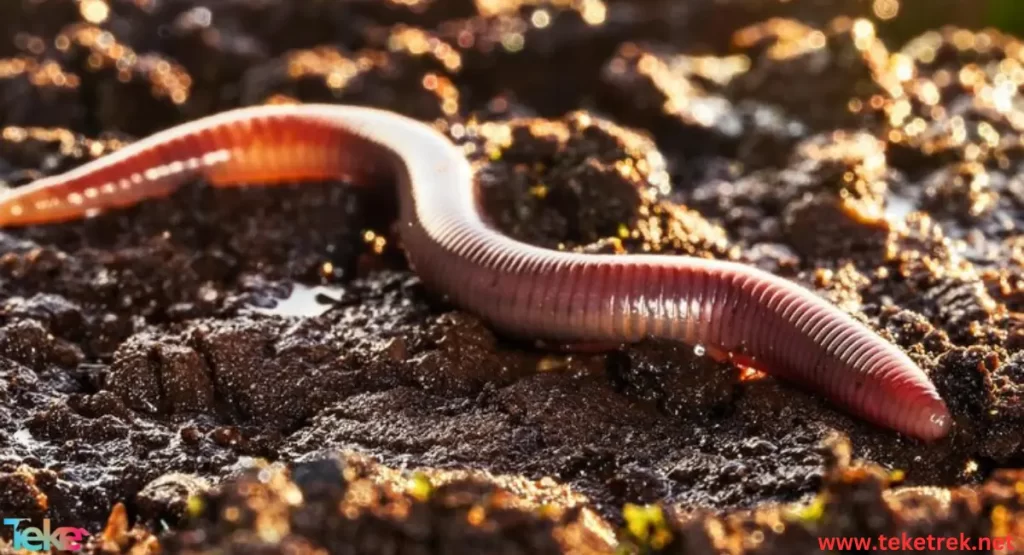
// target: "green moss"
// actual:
[[195, 506], [421, 488], [646, 527], [811, 513]]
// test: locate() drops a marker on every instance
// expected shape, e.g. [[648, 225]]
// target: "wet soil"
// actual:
[[258, 369]]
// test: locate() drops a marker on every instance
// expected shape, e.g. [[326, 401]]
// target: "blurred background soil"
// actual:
[[257, 370]]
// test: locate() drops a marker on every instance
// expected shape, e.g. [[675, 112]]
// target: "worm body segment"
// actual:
[[520, 289]]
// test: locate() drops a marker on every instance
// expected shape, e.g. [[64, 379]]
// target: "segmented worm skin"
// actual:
[[521, 290]]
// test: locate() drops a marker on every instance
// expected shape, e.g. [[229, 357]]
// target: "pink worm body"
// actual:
[[519, 289]]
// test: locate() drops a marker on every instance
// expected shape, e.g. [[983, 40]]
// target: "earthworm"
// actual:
[[519, 289]]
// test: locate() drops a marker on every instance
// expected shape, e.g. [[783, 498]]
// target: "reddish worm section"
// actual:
[[519, 289]]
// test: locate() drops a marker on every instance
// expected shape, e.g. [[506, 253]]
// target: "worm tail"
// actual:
[[725, 307], [250, 146], [782, 327], [803, 338]]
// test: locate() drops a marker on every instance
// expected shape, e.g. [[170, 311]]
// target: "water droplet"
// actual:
[[699, 350], [304, 301]]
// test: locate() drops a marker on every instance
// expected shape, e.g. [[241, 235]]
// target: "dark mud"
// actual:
[[149, 355]]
